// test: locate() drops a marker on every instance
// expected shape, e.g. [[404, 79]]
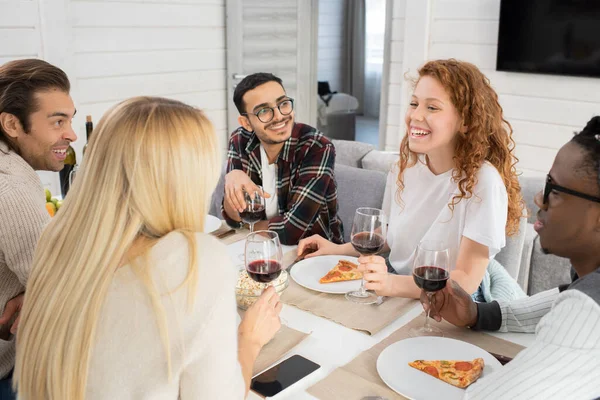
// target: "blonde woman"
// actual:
[[126, 299]]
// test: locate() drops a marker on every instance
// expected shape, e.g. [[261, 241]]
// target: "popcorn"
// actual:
[[248, 290]]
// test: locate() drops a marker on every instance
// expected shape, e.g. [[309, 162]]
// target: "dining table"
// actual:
[[328, 343]]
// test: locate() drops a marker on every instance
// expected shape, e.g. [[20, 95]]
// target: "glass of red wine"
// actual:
[[431, 270], [255, 207], [368, 238], [263, 256]]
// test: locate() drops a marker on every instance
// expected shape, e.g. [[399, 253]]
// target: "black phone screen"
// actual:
[[282, 375]]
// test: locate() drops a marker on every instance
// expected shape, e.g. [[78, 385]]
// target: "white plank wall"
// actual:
[[395, 111], [162, 48], [544, 110], [330, 62], [19, 19], [120, 49]]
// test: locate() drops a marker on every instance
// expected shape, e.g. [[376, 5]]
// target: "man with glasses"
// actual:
[[293, 163], [564, 360]]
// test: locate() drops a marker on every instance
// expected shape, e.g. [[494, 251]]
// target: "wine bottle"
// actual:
[[89, 128]]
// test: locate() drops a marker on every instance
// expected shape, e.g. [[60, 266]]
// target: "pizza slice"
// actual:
[[343, 271], [457, 373]]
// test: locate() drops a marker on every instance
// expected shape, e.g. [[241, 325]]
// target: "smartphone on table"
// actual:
[[282, 375]]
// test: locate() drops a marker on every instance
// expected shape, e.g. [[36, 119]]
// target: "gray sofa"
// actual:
[[361, 174]]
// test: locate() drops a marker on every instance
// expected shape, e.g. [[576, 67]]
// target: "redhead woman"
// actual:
[[455, 182]]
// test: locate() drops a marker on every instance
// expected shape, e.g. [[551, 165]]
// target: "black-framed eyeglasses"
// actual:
[[267, 114], [552, 186]]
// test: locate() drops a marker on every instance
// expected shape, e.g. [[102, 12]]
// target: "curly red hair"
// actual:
[[488, 137]]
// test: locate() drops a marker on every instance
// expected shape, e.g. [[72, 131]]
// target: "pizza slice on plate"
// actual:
[[457, 373], [343, 271]]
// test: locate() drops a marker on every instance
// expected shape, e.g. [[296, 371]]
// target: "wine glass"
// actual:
[[255, 207], [72, 174], [431, 270], [368, 238], [263, 256]]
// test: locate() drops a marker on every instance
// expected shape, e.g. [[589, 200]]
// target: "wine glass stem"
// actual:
[[429, 298], [362, 290], [252, 227]]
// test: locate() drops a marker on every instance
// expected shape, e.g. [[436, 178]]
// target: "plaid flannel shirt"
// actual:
[[306, 187]]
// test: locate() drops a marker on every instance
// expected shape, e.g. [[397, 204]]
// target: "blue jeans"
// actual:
[[6, 392]]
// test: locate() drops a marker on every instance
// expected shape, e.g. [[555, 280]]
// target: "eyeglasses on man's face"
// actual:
[[266, 114], [550, 186]]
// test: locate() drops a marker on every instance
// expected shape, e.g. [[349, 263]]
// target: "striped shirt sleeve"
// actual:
[[524, 314], [562, 363]]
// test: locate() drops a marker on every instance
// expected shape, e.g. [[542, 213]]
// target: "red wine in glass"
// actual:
[[368, 237], [368, 243], [263, 256], [431, 279], [255, 207], [264, 271], [253, 215], [431, 270]]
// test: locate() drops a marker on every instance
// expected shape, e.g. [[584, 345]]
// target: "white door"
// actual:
[[276, 36]]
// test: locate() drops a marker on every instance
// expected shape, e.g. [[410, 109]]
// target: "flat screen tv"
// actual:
[[559, 37]]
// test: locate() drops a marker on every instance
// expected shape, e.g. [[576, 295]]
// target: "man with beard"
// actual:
[[564, 360], [293, 163], [35, 131]]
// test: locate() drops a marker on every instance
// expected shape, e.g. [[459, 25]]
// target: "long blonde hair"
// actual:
[[149, 170]]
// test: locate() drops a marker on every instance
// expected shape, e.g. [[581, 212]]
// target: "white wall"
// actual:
[[19, 20], [113, 50], [330, 63], [544, 110], [395, 111]]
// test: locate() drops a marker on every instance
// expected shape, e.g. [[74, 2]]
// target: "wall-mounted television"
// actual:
[[560, 37]]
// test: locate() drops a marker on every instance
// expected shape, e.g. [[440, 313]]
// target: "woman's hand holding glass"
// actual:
[[376, 275], [261, 321]]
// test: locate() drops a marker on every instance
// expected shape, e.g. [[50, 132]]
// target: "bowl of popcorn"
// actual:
[[247, 290]]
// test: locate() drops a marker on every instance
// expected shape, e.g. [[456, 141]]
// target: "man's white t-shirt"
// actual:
[[424, 213], [269, 184]]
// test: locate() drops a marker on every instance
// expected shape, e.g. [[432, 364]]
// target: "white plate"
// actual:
[[211, 224], [393, 368], [308, 272]]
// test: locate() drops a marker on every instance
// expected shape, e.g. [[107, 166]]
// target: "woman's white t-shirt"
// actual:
[[425, 215]]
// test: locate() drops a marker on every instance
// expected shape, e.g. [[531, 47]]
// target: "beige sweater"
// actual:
[[23, 216], [129, 360]]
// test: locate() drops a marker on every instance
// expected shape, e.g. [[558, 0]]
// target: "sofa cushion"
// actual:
[[547, 271], [510, 256], [357, 188], [350, 153], [525, 268], [380, 160]]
